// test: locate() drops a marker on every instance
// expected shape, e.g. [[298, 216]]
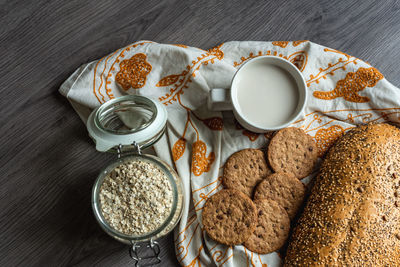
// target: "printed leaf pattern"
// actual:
[[168, 80], [200, 162], [214, 123], [178, 149], [299, 59]]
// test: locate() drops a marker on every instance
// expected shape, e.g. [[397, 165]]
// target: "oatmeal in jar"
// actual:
[[136, 197]]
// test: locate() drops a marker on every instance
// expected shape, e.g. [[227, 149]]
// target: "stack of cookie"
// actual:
[[261, 198]]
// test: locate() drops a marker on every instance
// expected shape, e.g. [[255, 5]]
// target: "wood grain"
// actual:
[[48, 163]]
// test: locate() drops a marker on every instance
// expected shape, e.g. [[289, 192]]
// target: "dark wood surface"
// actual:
[[48, 163]]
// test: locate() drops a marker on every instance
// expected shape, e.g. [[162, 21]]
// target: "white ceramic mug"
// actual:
[[271, 80]]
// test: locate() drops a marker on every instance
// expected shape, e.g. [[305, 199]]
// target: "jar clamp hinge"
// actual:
[[150, 260], [138, 149]]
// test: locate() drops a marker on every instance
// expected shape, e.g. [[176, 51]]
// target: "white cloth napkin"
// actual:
[[343, 91]]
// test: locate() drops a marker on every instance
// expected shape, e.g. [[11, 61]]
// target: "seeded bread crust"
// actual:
[[352, 216]]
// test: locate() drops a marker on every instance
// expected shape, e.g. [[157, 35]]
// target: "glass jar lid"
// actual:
[[127, 120]]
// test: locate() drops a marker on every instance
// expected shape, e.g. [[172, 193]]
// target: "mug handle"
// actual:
[[219, 100]]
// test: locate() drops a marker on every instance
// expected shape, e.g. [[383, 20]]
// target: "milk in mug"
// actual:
[[267, 94]]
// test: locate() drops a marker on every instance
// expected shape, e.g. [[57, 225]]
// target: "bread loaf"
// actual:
[[352, 217]]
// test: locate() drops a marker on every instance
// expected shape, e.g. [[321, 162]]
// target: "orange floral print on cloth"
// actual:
[[325, 138], [200, 162], [299, 58], [213, 123], [282, 44], [216, 51], [354, 82], [296, 43], [133, 72], [170, 79], [340, 64], [178, 149], [107, 64]]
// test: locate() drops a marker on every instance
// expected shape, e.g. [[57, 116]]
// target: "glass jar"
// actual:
[[127, 125]]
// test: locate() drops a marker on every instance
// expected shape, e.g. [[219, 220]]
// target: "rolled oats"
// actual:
[[136, 197]]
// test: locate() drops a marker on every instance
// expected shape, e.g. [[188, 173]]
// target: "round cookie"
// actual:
[[229, 217], [292, 150], [245, 169], [272, 228], [285, 189]]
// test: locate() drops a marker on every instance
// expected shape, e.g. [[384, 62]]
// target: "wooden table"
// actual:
[[48, 163]]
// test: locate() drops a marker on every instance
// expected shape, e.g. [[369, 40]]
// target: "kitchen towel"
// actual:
[[343, 91]]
